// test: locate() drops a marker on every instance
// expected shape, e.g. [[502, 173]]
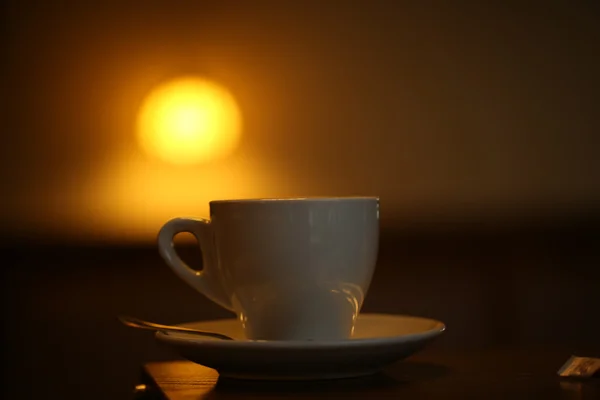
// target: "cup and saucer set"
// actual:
[[295, 272]]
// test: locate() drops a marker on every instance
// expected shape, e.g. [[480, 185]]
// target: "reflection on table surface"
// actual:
[[501, 373]]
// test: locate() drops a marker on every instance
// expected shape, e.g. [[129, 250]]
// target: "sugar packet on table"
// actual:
[[580, 367]]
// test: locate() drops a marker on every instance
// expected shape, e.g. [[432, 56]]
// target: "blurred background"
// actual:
[[475, 122], [446, 112]]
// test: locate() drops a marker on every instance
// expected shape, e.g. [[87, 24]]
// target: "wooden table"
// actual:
[[490, 374], [516, 304]]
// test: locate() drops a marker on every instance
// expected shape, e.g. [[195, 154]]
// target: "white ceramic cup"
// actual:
[[291, 269]]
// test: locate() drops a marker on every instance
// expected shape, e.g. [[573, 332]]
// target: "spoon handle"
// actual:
[[141, 324]]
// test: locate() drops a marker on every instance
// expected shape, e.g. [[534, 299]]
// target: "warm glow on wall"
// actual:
[[132, 197], [186, 127], [189, 121]]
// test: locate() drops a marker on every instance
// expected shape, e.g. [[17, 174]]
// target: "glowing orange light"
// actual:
[[189, 121]]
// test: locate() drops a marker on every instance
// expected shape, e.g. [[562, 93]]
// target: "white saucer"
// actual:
[[378, 340]]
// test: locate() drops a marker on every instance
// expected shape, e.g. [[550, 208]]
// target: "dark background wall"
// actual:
[[449, 112]]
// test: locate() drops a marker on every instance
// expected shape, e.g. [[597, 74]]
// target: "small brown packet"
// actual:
[[580, 367]]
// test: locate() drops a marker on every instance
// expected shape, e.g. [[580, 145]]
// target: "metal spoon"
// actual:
[[138, 323]]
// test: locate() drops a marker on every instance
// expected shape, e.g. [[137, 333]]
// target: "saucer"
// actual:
[[378, 340]]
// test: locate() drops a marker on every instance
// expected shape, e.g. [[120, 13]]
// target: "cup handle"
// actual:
[[205, 281]]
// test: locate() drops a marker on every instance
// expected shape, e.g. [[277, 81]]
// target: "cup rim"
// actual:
[[296, 199]]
